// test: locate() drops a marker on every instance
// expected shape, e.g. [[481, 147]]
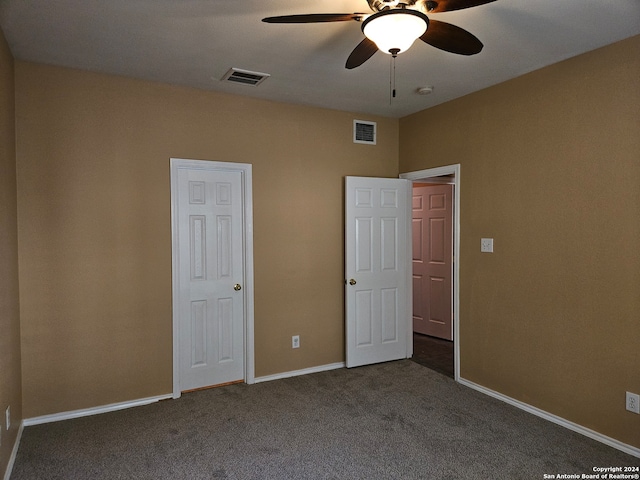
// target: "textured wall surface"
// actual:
[[550, 168], [10, 388], [95, 227]]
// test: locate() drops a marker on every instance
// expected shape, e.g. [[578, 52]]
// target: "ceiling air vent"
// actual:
[[245, 77], [364, 132]]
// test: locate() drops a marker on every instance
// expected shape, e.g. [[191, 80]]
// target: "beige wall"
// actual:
[[550, 168], [10, 389], [94, 224]]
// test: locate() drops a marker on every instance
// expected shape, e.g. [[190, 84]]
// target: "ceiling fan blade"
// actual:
[[451, 39], [315, 18], [363, 52], [438, 6]]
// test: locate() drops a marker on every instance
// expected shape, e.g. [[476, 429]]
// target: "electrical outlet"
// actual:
[[486, 245], [7, 414], [633, 402], [295, 341]]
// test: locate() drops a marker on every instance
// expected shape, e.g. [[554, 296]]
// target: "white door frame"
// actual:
[[422, 175], [247, 199]]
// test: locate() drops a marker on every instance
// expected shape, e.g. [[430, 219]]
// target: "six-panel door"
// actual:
[[432, 260], [377, 270], [210, 296]]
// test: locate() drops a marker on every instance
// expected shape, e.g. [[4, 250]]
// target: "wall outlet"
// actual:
[[633, 402], [486, 245], [295, 341], [7, 414]]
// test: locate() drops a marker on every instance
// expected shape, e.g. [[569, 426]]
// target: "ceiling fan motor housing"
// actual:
[[380, 5]]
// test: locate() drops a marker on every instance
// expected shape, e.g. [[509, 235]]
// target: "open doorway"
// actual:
[[439, 348]]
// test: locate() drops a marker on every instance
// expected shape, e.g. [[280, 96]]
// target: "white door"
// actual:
[[378, 270], [209, 275]]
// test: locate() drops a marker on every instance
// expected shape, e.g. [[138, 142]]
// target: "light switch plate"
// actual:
[[486, 245]]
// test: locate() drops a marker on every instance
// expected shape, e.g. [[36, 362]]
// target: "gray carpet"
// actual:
[[397, 420]]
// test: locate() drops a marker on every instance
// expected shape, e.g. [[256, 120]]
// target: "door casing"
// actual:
[[246, 171], [423, 175]]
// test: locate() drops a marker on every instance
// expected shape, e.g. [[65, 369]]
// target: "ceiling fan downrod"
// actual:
[[392, 74]]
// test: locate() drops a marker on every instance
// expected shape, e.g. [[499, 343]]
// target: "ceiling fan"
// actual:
[[396, 24]]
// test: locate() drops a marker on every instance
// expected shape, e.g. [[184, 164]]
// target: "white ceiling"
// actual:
[[194, 42]]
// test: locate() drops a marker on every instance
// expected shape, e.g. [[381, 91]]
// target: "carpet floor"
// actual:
[[396, 420]]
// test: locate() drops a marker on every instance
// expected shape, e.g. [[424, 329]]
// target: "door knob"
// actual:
[[352, 282], [237, 287]]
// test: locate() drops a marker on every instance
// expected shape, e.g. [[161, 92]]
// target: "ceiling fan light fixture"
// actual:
[[395, 30]]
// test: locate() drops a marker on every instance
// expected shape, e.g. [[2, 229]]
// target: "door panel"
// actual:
[[377, 270], [432, 260], [364, 317], [210, 263], [390, 320]]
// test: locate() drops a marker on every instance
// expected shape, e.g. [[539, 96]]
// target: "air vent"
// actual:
[[245, 77], [364, 132]]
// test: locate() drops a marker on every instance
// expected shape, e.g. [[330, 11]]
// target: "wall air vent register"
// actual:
[[364, 132]]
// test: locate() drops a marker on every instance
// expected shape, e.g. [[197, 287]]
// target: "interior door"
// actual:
[[432, 260], [378, 247], [210, 274]]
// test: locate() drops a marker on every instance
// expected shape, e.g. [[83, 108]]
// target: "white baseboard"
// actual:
[[14, 452], [304, 371], [612, 442], [57, 417]]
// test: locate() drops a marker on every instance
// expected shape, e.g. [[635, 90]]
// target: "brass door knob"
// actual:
[[352, 282], [237, 287]]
